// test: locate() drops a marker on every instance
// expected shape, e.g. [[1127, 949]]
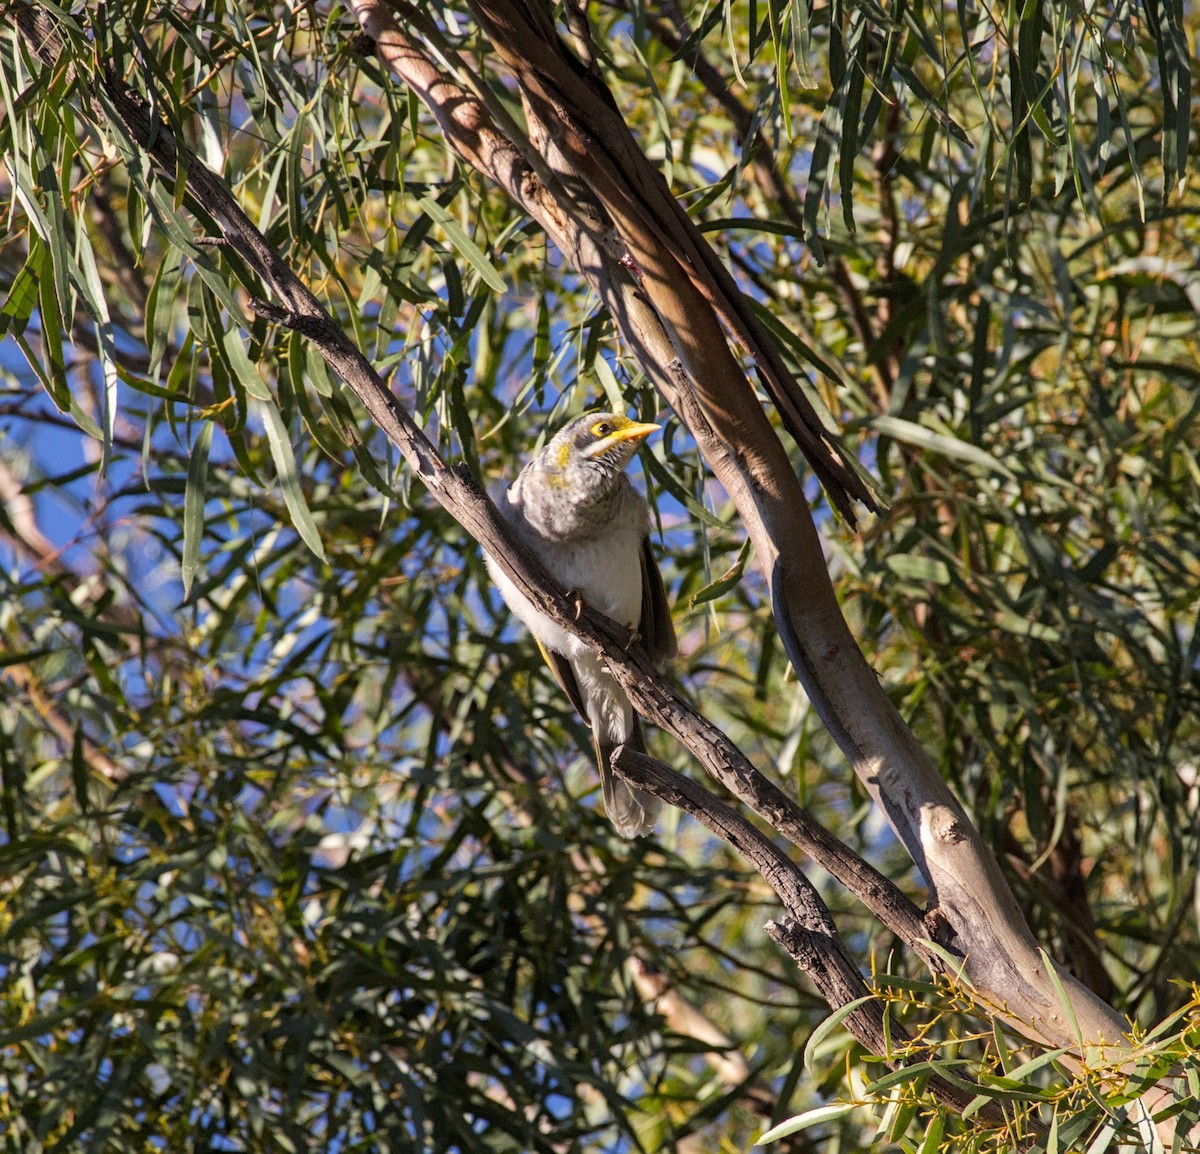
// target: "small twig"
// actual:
[[307, 325]]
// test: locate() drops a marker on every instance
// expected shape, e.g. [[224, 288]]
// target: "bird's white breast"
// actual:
[[605, 572]]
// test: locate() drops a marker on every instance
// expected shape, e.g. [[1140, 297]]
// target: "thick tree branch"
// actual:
[[763, 166], [589, 132], [808, 933]]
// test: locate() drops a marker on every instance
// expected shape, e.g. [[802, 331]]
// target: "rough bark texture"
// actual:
[[807, 933]]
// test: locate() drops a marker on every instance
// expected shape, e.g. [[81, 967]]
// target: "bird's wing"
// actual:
[[655, 626], [565, 676]]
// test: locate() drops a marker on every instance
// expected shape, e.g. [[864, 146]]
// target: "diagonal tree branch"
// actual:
[[808, 933], [586, 126], [674, 32], [458, 493]]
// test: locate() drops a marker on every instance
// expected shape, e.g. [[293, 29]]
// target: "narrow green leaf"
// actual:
[[1014, 1078], [52, 333], [917, 568], [913, 434], [851, 113], [79, 771], [193, 505], [43, 1023], [727, 581], [66, 272], [460, 419], [1024, 627], [1063, 999], [160, 307], [81, 418], [828, 1025], [804, 1121], [608, 382], [319, 422], [918, 1071], [933, 1134], [1169, 1021], [467, 248], [289, 478], [23, 295], [935, 110], [541, 338], [317, 372], [1165, 20], [828, 133], [93, 293], [1001, 1045], [298, 227], [903, 1110], [148, 388], [1107, 1133], [243, 368], [1052, 1137], [666, 480], [1072, 1127], [801, 22]]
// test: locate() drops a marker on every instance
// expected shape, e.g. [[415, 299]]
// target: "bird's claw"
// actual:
[[635, 638], [577, 597]]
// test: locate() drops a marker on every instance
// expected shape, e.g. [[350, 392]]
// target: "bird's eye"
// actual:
[[602, 429]]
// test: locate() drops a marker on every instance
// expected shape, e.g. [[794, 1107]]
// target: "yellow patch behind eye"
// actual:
[[564, 455]]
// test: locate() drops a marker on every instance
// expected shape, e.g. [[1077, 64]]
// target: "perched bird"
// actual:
[[577, 511]]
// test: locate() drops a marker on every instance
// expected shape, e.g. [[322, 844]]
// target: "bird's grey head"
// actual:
[[599, 445], [569, 489]]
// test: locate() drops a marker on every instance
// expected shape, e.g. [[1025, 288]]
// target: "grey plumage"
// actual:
[[579, 514]]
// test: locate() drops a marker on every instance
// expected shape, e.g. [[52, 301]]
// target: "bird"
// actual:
[[576, 509]]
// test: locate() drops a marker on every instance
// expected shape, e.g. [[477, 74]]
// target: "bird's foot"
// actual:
[[634, 638], [575, 596]]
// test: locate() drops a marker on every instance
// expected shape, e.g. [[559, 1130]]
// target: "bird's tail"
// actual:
[[632, 811]]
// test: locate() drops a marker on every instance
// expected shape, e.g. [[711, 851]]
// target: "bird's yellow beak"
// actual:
[[614, 432], [634, 431]]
